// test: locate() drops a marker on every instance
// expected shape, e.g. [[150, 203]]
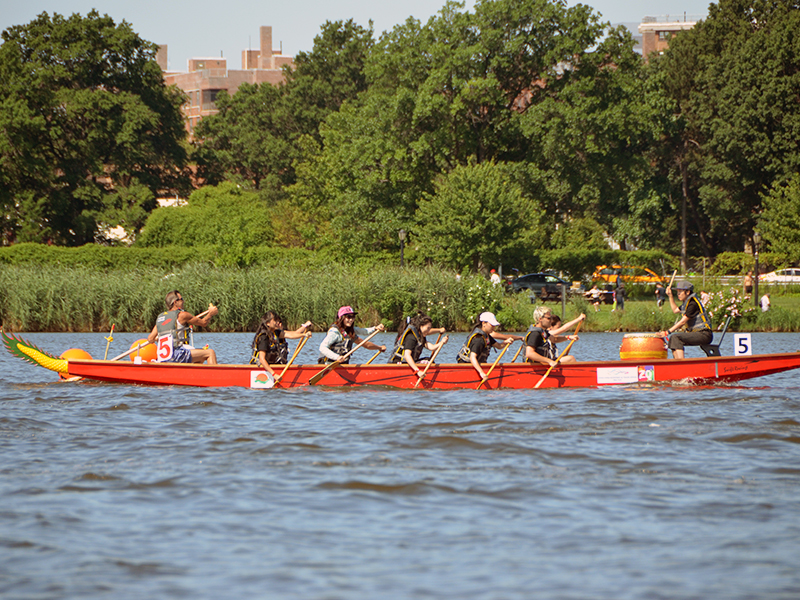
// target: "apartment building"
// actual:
[[656, 32], [206, 77]]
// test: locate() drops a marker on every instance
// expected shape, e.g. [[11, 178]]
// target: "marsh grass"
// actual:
[[57, 298]]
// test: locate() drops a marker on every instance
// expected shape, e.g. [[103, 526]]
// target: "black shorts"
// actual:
[[690, 338]]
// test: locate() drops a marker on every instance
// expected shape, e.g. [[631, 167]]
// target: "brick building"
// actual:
[[207, 76], [657, 31]]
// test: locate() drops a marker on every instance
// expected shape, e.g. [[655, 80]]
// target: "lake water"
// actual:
[[126, 492]]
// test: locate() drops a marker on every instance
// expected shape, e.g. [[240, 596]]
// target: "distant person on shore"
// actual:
[[495, 278], [412, 341], [619, 297], [661, 294], [539, 347], [693, 317], [594, 297], [343, 336], [269, 343], [765, 303], [171, 333], [747, 284]]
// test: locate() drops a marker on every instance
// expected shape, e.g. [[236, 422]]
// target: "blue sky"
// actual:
[[202, 29]]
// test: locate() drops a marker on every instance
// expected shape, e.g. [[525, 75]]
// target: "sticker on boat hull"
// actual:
[[633, 374], [261, 380]]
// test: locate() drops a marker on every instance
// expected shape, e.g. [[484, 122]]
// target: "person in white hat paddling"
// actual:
[[480, 342]]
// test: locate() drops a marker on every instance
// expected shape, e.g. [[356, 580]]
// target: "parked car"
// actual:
[[542, 285], [627, 273], [781, 276]]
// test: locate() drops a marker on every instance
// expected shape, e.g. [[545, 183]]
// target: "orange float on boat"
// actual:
[[642, 346], [148, 352], [74, 353]]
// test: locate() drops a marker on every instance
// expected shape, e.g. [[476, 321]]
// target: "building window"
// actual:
[[664, 36]]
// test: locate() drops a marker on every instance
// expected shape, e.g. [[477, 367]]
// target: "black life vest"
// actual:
[[463, 354], [700, 322], [277, 352], [341, 347], [419, 345], [547, 349]]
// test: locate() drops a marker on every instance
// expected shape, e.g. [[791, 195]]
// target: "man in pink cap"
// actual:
[[480, 342], [343, 336]]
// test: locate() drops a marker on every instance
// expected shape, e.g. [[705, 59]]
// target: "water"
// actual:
[[111, 491]]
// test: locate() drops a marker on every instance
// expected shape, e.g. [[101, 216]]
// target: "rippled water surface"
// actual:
[[132, 492]]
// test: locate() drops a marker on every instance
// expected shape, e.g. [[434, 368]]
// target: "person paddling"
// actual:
[[269, 344], [343, 336], [539, 347], [412, 340], [171, 333], [481, 341]]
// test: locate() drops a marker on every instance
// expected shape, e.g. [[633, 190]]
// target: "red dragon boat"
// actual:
[[703, 371]]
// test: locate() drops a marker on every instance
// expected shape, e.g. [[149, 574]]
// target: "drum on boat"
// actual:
[[642, 346]]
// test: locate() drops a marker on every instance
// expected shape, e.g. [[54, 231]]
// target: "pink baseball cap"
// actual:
[[345, 310], [487, 317]]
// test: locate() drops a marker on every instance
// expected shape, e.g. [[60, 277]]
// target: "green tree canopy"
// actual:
[[84, 116], [478, 216], [227, 217], [733, 84]]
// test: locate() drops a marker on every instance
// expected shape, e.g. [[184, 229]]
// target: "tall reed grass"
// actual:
[[56, 298]]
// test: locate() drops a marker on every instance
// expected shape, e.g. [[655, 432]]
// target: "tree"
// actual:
[[778, 222], [479, 216], [84, 116], [733, 82], [227, 217]]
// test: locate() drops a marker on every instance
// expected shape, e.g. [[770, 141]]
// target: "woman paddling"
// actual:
[[480, 342], [269, 344], [343, 336], [411, 341], [539, 345]]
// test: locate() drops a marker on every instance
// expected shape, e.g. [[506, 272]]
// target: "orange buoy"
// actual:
[[148, 353], [642, 346], [73, 353]]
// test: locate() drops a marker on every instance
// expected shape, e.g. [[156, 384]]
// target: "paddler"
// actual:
[[540, 340], [343, 336], [269, 344], [171, 333], [694, 319], [412, 340], [480, 342]]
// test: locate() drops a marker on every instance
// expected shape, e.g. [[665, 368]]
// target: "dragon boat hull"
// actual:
[[709, 370], [705, 371]]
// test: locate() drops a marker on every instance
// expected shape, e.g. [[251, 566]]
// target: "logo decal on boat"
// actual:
[[261, 380]]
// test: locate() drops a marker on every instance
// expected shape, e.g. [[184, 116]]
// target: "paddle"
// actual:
[[494, 364], [675, 272], [291, 360], [314, 379], [132, 350], [109, 339], [518, 351], [558, 360], [374, 356], [430, 362]]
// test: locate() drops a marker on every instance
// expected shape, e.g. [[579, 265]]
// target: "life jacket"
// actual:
[[547, 349], [463, 354], [419, 345], [277, 349], [171, 334], [702, 321], [341, 347]]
